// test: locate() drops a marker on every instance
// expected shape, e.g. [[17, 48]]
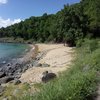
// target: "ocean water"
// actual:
[[9, 51]]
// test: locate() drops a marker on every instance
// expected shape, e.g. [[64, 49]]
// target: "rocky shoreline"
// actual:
[[13, 70], [52, 58]]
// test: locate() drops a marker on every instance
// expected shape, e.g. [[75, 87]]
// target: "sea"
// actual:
[[9, 51]]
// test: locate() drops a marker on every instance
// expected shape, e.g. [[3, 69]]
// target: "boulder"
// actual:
[[6, 79], [39, 65], [45, 65], [48, 76], [9, 64], [17, 76], [16, 82], [2, 74], [19, 70]]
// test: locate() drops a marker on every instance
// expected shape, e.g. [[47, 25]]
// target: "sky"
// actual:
[[13, 11]]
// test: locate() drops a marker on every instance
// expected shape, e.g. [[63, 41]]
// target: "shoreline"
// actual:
[[15, 40], [54, 58], [13, 70], [41, 57]]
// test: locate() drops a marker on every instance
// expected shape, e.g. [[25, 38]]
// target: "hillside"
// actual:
[[72, 23]]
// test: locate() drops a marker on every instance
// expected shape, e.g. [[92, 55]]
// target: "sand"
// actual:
[[58, 56]]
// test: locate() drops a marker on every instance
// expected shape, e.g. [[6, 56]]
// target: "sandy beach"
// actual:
[[57, 56]]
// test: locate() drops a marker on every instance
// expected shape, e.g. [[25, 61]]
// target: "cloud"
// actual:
[[3, 1], [8, 22]]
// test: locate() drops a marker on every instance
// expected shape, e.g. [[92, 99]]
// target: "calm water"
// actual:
[[11, 50]]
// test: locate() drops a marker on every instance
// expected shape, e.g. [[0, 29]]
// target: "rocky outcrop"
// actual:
[[16, 82], [6, 79], [2, 74], [48, 76]]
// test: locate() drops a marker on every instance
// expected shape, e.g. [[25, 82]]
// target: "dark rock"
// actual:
[[19, 70], [25, 68], [45, 65], [8, 64], [16, 82], [39, 65], [17, 64], [10, 74], [2, 74], [17, 76], [29, 42], [48, 76], [6, 79], [8, 68]]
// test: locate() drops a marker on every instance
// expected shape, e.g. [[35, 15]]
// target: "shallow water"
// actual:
[[11, 50]]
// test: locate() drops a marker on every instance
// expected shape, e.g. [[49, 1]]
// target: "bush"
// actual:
[[90, 45], [77, 83]]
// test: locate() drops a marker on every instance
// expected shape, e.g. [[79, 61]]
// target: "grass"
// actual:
[[79, 82], [12, 91]]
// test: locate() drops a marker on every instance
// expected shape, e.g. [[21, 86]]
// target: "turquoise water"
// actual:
[[12, 50]]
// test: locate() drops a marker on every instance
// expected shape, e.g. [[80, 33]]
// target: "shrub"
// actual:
[[77, 83]]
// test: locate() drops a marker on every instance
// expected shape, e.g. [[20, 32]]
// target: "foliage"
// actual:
[[77, 83], [71, 24]]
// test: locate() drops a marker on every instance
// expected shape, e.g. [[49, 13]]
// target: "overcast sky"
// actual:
[[13, 11]]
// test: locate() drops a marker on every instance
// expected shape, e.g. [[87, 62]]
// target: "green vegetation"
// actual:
[[12, 91], [72, 23], [79, 82]]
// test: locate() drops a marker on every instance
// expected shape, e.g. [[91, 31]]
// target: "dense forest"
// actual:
[[70, 25]]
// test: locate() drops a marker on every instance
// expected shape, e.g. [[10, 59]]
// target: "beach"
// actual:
[[13, 69], [29, 67], [53, 58]]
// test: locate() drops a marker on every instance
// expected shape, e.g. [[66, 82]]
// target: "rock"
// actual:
[[16, 82], [19, 70], [8, 64], [48, 76], [39, 65], [45, 65], [17, 65], [2, 74], [17, 76], [6, 79], [42, 65], [10, 74], [25, 68]]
